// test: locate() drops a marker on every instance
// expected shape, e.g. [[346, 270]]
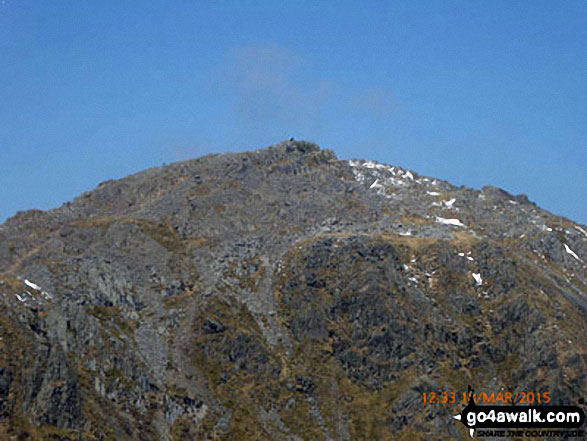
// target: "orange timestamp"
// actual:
[[501, 397]]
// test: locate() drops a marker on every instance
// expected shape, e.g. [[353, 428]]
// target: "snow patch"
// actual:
[[376, 184], [370, 164], [454, 222], [433, 193], [360, 177], [571, 252], [32, 285], [478, 279]]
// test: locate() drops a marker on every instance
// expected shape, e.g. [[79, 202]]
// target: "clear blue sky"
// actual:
[[476, 92]]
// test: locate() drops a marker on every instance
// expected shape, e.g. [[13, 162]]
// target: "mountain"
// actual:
[[283, 294]]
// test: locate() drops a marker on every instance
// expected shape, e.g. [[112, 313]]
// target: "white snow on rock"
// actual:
[[20, 298], [376, 184], [454, 222], [581, 230], [396, 182], [571, 252], [478, 279], [32, 285], [360, 177], [449, 203], [433, 193], [385, 175]]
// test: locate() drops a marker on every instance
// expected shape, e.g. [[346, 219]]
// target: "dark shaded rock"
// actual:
[[213, 327]]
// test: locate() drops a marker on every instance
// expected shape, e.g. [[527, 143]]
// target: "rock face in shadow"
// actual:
[[283, 294]]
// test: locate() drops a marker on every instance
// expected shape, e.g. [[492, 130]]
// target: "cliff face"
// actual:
[[282, 294]]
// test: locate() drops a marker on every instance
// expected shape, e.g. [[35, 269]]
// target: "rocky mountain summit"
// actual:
[[283, 294]]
